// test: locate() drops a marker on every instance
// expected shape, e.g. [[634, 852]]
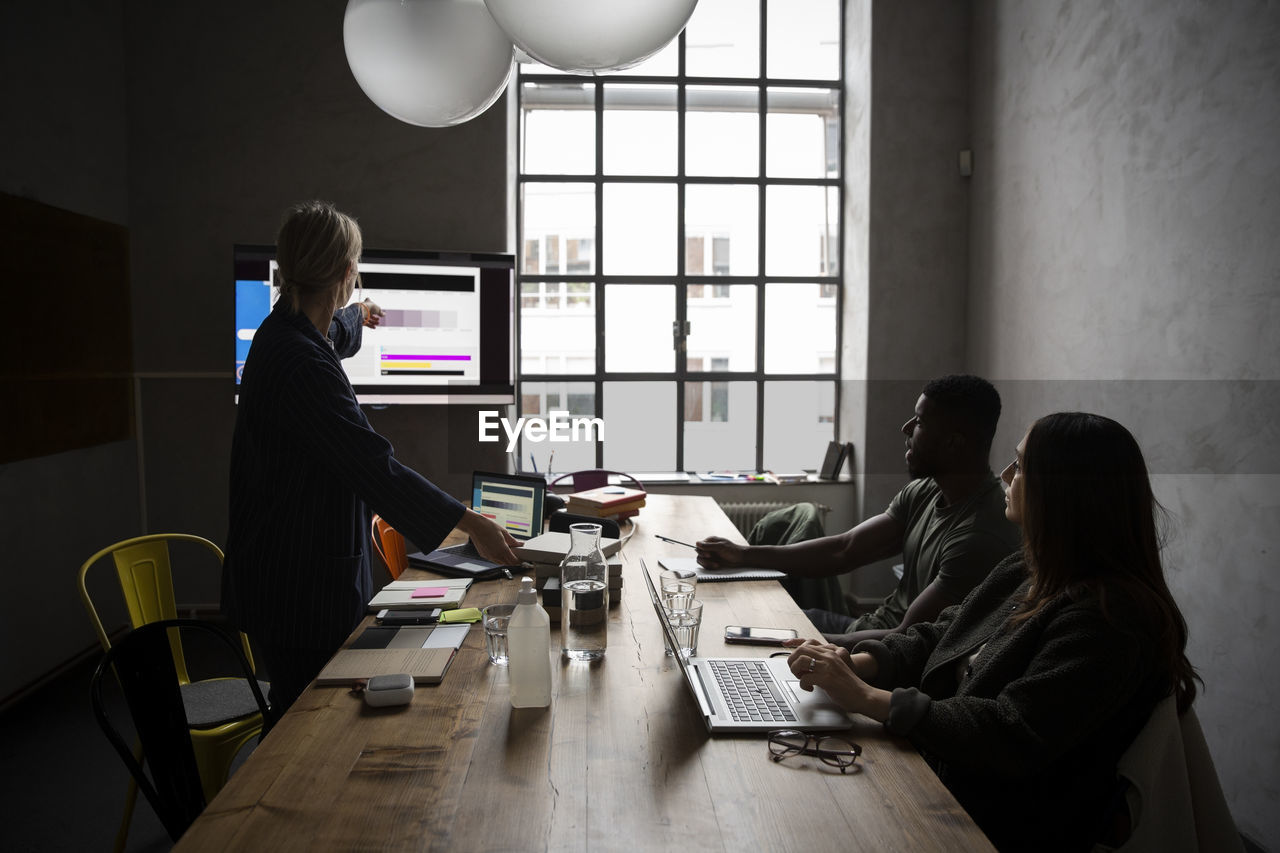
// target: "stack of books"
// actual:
[[542, 555], [780, 477], [613, 502]]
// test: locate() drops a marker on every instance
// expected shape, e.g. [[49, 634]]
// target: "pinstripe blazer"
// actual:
[[306, 468]]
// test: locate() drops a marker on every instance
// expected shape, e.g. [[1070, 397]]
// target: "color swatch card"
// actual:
[[421, 651], [348, 666]]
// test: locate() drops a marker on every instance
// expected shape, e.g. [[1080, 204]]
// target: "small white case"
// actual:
[[385, 690]]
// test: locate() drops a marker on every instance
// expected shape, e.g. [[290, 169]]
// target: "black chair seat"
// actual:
[[218, 701], [142, 665]]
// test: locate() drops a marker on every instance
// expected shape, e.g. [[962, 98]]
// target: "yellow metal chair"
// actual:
[[222, 712]]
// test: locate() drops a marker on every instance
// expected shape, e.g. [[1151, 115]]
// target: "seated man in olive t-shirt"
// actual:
[[948, 523], [949, 546]]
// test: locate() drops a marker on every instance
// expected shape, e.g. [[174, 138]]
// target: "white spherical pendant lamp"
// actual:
[[431, 63], [591, 36]]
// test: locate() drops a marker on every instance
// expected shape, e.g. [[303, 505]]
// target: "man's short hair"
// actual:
[[972, 402]]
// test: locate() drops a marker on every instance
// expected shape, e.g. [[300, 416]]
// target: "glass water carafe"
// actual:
[[584, 595]]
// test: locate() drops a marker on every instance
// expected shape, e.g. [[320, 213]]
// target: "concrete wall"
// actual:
[[1124, 260], [196, 127], [907, 219]]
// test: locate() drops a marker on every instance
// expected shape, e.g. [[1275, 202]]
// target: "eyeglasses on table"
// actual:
[[829, 749]]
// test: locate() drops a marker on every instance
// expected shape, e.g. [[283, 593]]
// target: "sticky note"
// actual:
[[463, 614], [430, 592]]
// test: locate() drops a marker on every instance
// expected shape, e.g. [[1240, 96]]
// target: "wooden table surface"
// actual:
[[620, 760]]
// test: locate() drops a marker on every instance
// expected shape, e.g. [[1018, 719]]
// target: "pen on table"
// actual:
[[673, 541], [533, 462]]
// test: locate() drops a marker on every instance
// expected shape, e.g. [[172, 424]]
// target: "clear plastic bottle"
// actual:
[[529, 641], [584, 595]]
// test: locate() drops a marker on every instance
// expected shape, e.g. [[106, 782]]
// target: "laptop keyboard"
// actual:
[[751, 692], [466, 549]]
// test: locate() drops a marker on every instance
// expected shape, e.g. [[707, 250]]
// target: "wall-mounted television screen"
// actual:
[[446, 337]]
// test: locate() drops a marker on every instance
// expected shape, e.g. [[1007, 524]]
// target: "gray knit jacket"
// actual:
[[1027, 736]]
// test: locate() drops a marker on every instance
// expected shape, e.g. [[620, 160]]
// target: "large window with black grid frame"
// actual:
[[679, 227]]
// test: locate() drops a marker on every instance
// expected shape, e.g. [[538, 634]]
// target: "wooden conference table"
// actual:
[[620, 760]]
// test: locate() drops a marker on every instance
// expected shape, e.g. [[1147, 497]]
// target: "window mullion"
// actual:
[[762, 107], [681, 290]]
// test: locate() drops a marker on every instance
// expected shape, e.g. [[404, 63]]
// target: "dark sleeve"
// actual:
[[319, 408], [901, 656], [347, 330], [1082, 672]]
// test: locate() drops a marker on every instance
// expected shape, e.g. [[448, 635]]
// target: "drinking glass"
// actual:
[[496, 617], [677, 587], [685, 623]]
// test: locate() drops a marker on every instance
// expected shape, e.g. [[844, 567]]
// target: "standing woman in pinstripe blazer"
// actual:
[[307, 469]]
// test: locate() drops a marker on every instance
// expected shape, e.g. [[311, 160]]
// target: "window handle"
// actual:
[[680, 334]]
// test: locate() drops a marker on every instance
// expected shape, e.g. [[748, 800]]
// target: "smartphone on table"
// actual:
[[409, 617], [758, 636]]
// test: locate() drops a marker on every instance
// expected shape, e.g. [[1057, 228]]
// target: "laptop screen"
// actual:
[[514, 502]]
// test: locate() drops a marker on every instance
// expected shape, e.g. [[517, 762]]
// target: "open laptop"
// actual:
[[750, 694], [515, 504]]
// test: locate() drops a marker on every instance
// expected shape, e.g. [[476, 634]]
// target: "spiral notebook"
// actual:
[[713, 575], [445, 593]]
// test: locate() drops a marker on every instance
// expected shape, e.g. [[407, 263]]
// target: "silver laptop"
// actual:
[[750, 694]]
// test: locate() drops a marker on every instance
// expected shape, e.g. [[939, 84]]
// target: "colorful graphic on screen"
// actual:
[[510, 506], [413, 361], [446, 329], [253, 304]]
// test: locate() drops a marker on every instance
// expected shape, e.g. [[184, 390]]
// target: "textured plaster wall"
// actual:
[[855, 318], [907, 219], [1126, 206]]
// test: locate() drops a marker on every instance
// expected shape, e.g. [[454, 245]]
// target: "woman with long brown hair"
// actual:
[[1024, 696]]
